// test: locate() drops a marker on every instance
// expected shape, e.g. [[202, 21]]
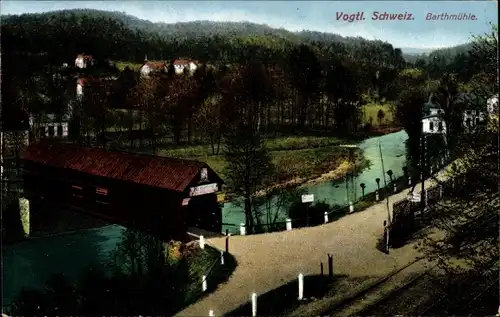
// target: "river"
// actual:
[[31, 262]]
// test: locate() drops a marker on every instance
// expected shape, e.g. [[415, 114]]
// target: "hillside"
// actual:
[[56, 37]]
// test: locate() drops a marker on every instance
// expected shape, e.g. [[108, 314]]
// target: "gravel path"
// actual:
[[267, 261]]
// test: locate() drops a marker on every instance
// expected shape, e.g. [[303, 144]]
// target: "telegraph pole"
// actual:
[[422, 169]]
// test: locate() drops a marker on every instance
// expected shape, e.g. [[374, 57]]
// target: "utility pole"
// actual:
[[422, 170]]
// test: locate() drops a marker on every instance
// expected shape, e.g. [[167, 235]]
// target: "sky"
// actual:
[[418, 33]]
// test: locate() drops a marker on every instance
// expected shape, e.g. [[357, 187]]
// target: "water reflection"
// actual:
[[31, 263]]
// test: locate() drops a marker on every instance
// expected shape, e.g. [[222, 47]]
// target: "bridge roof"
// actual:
[[157, 171]]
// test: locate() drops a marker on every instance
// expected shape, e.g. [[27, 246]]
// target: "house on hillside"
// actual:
[[152, 67], [84, 61], [50, 125], [492, 107], [182, 65], [474, 113], [432, 118], [83, 83]]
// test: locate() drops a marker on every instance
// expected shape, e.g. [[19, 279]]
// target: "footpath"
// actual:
[[268, 261]]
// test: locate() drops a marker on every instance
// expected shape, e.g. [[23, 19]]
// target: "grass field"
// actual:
[[371, 110], [293, 156], [134, 66]]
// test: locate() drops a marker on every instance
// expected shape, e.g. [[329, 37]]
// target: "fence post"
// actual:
[[254, 305], [301, 286], [377, 197], [440, 191], [326, 217], [204, 283], [202, 242], [242, 229], [321, 267], [222, 257], [227, 244], [442, 160], [432, 168], [409, 180], [288, 224], [395, 188], [211, 313], [330, 265], [351, 207]]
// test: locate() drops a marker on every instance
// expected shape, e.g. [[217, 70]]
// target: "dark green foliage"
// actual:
[[299, 212]]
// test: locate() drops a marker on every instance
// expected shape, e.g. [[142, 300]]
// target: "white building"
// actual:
[[180, 65], [152, 66], [432, 118], [50, 126], [84, 61]]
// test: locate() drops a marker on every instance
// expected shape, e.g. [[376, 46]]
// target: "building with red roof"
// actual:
[[156, 194]]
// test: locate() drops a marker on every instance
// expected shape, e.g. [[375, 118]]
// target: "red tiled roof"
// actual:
[[156, 64], [184, 61], [89, 81], [85, 57], [164, 172]]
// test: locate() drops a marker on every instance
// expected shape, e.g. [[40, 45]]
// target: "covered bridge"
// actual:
[[157, 194]]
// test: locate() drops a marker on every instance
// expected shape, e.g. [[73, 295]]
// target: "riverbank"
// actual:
[[299, 160]]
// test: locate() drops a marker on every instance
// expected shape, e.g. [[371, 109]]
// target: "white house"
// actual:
[[432, 118], [83, 83], [50, 125], [492, 105], [153, 66], [84, 61], [189, 65]]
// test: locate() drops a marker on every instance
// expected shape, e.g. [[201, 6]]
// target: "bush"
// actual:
[[299, 212]]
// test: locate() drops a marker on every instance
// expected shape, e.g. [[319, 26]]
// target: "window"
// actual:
[[77, 191], [102, 194], [59, 130], [101, 191], [51, 130], [431, 126], [440, 126]]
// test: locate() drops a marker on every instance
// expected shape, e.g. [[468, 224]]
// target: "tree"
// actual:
[[380, 116], [468, 222], [249, 166], [305, 75], [408, 108]]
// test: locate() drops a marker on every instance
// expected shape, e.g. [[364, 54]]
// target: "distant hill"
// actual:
[[111, 32]]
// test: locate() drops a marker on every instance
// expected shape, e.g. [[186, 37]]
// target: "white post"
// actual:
[[440, 191], [351, 207], [203, 283], [395, 188], [288, 224], [211, 313], [222, 257], [242, 229], [442, 161], [326, 217], [254, 305], [377, 197], [202, 242], [301, 286], [409, 180], [432, 169]]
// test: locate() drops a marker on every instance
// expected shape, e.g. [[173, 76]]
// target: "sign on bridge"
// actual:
[[308, 198]]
